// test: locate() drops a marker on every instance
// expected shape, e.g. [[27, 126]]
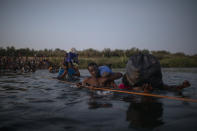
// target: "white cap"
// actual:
[[73, 50]]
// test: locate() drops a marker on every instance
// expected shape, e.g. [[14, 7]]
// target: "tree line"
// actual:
[[117, 56], [107, 52]]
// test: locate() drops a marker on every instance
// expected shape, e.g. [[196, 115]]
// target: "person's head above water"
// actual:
[[93, 69]]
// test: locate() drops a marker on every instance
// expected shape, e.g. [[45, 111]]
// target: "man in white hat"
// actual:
[[72, 56]]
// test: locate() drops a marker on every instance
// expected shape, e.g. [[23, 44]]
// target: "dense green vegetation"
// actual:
[[117, 58]]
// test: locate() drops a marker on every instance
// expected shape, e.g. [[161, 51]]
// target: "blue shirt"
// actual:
[[61, 71], [103, 69], [71, 71]]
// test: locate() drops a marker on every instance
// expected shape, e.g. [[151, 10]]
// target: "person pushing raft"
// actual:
[[68, 72], [143, 72], [100, 76]]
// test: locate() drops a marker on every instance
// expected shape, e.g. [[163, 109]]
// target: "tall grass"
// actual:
[[120, 62], [115, 62], [179, 62]]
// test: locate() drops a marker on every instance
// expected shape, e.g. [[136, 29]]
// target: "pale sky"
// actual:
[[169, 25]]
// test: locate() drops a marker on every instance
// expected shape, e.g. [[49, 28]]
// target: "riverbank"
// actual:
[[120, 62], [116, 58]]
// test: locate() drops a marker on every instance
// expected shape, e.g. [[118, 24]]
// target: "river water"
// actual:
[[34, 101]]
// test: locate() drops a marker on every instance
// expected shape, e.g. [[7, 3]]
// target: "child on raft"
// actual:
[[100, 76]]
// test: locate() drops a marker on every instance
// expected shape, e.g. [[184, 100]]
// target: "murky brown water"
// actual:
[[34, 101]]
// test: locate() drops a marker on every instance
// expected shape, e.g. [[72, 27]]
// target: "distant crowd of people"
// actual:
[[22, 64]]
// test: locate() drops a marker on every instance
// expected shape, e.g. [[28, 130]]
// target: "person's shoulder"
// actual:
[[62, 69], [71, 70], [102, 67], [105, 68], [87, 79]]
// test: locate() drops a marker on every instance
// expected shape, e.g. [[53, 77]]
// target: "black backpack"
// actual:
[[143, 68]]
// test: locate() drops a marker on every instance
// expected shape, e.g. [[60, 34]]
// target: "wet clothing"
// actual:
[[104, 71], [61, 71], [71, 71], [122, 86], [69, 76]]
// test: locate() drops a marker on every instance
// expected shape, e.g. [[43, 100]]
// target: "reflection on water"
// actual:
[[34, 101], [98, 100], [145, 114]]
